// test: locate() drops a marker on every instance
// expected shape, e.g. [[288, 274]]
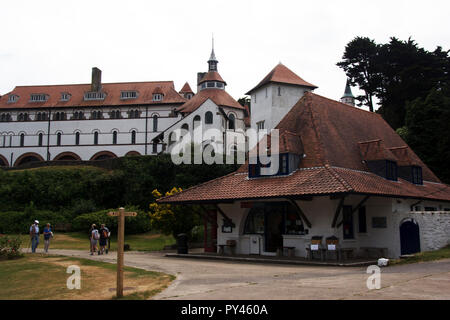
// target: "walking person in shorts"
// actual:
[[94, 236], [104, 235]]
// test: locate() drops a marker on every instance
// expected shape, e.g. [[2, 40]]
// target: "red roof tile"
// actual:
[[282, 74], [212, 76], [77, 91], [219, 96], [186, 88]]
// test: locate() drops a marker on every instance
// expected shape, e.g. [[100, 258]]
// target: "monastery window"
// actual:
[[279, 91], [208, 117], [115, 114], [347, 222], [23, 117], [41, 97], [96, 138], [362, 221], [5, 117], [231, 121], [203, 85], [22, 139], [189, 96], [266, 92], [58, 139], [219, 84], [65, 96], [210, 84], [38, 116], [417, 175], [184, 129], [133, 137], [94, 96], [391, 170], [155, 123], [155, 147], [96, 115], [157, 97], [77, 138], [114, 140], [40, 139], [128, 95], [260, 125], [13, 98]]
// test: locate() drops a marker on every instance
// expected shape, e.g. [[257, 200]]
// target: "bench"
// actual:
[[282, 250], [230, 244], [381, 252]]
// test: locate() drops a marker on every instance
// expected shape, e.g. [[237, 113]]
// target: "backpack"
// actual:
[[96, 234], [105, 233]]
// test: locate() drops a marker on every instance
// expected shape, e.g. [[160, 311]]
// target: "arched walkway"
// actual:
[[409, 237], [67, 156], [103, 155], [28, 157], [3, 161], [132, 153]]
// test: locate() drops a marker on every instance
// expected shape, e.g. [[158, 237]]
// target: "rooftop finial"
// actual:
[[212, 62]]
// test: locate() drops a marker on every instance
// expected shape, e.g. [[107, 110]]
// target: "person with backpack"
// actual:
[[94, 236], [48, 234], [104, 235], [34, 235]]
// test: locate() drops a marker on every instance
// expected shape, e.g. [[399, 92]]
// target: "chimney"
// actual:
[[200, 76], [96, 84]]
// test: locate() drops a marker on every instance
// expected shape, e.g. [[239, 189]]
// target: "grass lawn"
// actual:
[[44, 277], [443, 253], [79, 241]]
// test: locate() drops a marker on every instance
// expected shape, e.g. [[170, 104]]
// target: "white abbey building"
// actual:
[[105, 120]]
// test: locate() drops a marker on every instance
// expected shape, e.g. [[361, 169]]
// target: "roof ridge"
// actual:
[[88, 84], [344, 182], [344, 104]]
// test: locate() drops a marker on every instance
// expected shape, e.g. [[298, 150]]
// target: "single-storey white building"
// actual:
[[345, 174]]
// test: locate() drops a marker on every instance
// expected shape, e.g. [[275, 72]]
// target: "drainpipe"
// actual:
[[48, 135]]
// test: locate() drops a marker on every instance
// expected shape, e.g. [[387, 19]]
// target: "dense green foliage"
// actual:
[[413, 89], [70, 194]]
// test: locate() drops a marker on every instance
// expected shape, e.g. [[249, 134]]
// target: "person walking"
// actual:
[[34, 235], [94, 236], [104, 235], [48, 234]]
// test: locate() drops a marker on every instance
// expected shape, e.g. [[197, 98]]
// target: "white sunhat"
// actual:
[[35, 221]]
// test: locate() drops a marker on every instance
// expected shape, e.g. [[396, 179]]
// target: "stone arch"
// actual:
[[409, 236], [102, 155], [132, 154], [67, 156], [3, 161], [28, 157]]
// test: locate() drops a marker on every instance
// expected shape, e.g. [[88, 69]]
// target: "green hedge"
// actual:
[[20, 221]]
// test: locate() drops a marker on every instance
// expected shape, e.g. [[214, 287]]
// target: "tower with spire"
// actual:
[[348, 97], [212, 62]]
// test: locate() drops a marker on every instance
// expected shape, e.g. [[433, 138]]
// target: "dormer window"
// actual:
[[417, 175], [41, 97], [124, 95], [391, 170], [94, 96], [288, 162], [13, 98], [157, 97], [65, 96]]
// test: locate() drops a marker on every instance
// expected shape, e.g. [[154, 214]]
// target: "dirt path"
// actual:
[[204, 279]]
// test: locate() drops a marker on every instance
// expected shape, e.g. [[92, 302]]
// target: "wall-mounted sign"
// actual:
[[379, 222]]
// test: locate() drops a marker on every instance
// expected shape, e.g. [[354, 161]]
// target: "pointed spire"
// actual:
[[212, 62], [348, 90]]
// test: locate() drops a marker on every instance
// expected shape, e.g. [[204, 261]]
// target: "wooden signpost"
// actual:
[[121, 214]]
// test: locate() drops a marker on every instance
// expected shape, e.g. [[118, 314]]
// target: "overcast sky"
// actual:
[[58, 42]]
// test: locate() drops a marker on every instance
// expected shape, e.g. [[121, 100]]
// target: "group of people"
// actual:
[[99, 237], [34, 236]]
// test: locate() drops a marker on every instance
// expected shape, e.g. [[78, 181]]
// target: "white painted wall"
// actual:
[[268, 106], [434, 227]]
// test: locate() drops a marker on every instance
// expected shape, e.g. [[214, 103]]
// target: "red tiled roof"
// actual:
[[219, 96], [375, 150], [186, 88], [282, 74], [404, 156], [77, 91], [330, 133], [212, 76]]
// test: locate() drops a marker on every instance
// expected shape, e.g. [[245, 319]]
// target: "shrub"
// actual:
[[20, 221], [10, 246]]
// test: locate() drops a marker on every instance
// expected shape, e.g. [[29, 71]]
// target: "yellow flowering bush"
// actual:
[[173, 219]]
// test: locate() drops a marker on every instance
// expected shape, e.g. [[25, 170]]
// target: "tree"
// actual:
[[427, 130], [360, 63], [173, 219]]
